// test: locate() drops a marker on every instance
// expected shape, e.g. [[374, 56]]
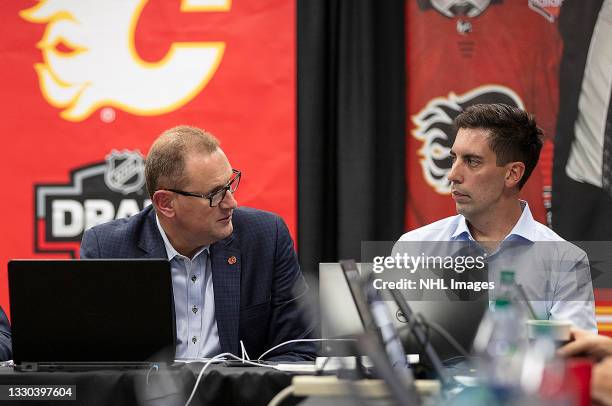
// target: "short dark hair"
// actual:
[[514, 135], [165, 163]]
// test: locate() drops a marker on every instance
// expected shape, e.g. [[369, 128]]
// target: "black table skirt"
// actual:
[[167, 386]]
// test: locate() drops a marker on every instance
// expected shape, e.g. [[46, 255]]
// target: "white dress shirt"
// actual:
[[197, 335], [554, 273]]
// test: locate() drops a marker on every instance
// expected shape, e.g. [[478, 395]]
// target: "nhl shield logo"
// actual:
[[124, 171], [96, 193]]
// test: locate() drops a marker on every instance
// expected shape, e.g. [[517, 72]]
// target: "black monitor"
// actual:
[[69, 311]]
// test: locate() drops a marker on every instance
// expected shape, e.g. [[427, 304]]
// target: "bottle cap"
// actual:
[[501, 303], [507, 277]]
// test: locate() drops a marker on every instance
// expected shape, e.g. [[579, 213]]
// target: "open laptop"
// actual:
[[339, 317], [87, 314], [380, 337], [373, 315]]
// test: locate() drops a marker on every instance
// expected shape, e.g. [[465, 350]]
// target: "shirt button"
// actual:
[[194, 309], [194, 339], [194, 278]]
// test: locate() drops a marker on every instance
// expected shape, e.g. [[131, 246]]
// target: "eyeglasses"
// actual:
[[215, 197]]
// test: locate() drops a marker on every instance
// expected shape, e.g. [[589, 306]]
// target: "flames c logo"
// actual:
[[434, 127], [103, 67]]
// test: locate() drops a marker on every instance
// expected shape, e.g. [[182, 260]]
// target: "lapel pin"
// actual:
[[231, 260]]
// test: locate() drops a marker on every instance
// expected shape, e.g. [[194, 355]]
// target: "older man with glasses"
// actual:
[[235, 275]]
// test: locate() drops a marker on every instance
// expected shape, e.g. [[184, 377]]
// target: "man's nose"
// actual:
[[454, 175], [229, 201]]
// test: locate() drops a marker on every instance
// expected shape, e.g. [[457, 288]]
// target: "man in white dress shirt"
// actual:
[[495, 150]]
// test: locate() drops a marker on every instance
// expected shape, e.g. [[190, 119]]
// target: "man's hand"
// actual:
[[587, 344], [601, 382]]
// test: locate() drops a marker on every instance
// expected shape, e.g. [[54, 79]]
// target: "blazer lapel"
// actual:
[[151, 242], [226, 268]]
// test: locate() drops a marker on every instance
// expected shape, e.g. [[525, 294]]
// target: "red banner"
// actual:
[[459, 55], [464, 53], [89, 84]]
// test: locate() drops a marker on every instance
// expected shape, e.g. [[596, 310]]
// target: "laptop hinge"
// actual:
[[27, 367]]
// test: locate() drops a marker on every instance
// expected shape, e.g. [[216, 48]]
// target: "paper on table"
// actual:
[[310, 368], [189, 360]]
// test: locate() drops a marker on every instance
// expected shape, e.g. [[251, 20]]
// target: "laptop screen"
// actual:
[[374, 316], [91, 310], [339, 316]]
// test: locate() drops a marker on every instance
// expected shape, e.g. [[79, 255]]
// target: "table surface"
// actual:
[[169, 386], [220, 385]]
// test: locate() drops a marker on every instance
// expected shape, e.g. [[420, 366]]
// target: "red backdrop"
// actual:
[[108, 77], [509, 53]]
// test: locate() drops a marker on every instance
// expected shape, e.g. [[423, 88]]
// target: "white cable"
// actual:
[[282, 395], [244, 352], [153, 367], [217, 357], [256, 363], [303, 340]]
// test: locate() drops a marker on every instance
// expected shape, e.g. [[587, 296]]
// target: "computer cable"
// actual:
[[444, 334], [302, 340], [255, 363], [430, 325], [282, 395], [219, 357], [155, 368], [410, 325], [244, 352]]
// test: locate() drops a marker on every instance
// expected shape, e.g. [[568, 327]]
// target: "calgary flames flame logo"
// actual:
[[102, 67], [434, 127]]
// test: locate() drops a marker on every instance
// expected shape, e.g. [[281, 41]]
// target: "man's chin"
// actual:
[[226, 230], [459, 208], [462, 209]]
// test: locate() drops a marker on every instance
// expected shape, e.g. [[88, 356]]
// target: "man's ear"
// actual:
[[514, 173], [163, 201]]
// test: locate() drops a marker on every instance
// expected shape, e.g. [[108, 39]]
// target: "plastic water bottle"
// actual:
[[501, 343], [506, 285]]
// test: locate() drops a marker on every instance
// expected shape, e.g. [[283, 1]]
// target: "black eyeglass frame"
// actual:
[[209, 196]]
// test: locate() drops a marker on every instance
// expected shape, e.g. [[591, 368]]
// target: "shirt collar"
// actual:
[[462, 232], [445, 6], [523, 228], [170, 251]]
